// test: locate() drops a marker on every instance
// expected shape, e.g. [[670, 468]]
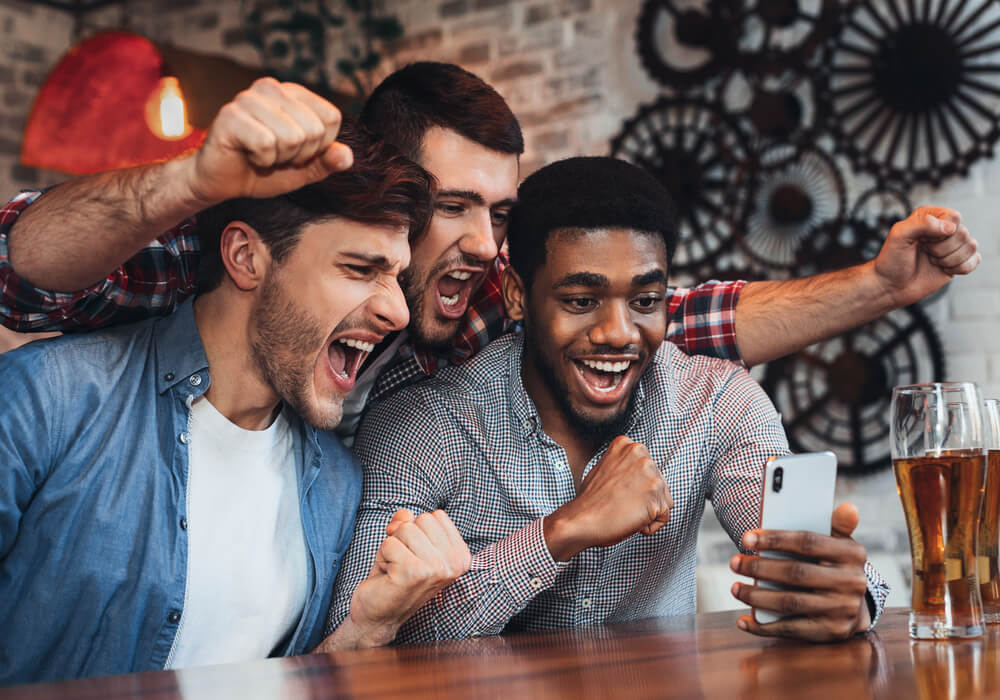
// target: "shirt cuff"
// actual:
[[523, 564]]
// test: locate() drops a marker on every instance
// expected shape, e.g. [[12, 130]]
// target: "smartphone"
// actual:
[[798, 495]]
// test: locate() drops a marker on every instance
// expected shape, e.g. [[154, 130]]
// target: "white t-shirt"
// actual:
[[246, 569]]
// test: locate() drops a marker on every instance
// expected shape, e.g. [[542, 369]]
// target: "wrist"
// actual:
[[562, 535], [190, 193], [352, 634]]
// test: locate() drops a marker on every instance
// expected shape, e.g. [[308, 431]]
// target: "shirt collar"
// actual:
[[180, 355]]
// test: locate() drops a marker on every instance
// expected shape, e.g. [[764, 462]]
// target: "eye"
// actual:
[[365, 271], [500, 217], [649, 302], [450, 208], [580, 304]]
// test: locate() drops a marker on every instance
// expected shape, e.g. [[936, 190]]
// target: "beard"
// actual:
[[287, 336], [600, 430], [427, 330]]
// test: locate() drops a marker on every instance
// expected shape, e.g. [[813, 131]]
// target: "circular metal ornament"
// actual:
[[793, 198], [699, 155], [684, 43], [835, 394], [778, 34], [913, 89]]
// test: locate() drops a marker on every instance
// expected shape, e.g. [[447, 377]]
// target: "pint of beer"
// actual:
[[940, 465], [989, 524]]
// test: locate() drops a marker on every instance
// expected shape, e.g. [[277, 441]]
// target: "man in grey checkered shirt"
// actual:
[[575, 458]]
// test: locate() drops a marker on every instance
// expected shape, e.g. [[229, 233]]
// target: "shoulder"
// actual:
[[690, 381], [451, 397]]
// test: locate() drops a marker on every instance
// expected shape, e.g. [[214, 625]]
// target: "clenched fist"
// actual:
[[623, 494]]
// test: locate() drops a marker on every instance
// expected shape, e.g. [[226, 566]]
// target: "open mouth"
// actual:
[[454, 290], [346, 355], [603, 380]]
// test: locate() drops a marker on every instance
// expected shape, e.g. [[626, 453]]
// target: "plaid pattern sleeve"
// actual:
[[413, 473], [153, 282], [702, 319]]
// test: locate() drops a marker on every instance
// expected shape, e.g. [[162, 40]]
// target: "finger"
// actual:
[[965, 267], [803, 575], [844, 521], [948, 215], [458, 550], [953, 251], [239, 130], [337, 157], [289, 135], [807, 628], [402, 515], [804, 543], [795, 603], [415, 538], [325, 110]]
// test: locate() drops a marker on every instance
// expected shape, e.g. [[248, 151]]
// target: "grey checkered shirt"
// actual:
[[469, 441]]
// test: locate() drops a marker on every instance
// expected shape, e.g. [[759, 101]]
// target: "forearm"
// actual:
[[350, 635], [76, 233], [505, 577], [776, 318]]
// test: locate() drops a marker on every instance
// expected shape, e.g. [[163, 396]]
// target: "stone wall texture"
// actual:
[[569, 70]]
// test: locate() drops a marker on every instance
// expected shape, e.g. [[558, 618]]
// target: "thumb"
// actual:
[[844, 521], [403, 515], [337, 157]]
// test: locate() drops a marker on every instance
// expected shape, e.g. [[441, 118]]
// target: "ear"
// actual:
[[245, 256], [515, 298]]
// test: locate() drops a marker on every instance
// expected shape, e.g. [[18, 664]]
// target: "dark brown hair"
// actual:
[[381, 188], [426, 94]]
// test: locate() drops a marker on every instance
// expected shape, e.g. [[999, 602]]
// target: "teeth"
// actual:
[[607, 366], [359, 344], [450, 301], [460, 275]]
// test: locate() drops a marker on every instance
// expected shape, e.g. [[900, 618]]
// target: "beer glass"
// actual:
[[936, 432], [989, 521]]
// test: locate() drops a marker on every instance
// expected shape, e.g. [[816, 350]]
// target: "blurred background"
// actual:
[[791, 132]]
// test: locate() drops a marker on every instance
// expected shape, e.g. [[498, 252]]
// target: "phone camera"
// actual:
[[776, 481]]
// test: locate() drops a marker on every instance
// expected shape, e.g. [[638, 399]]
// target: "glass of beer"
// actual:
[[936, 432], [989, 522]]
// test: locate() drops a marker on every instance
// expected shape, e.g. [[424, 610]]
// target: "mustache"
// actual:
[[462, 260]]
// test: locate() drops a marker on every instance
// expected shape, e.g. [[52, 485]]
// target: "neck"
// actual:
[[237, 391], [579, 448]]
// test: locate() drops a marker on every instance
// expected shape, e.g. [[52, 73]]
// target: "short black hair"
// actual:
[[585, 194], [427, 94], [381, 188]]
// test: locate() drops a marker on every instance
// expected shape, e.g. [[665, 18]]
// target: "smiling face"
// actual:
[[323, 309], [594, 316], [476, 188]]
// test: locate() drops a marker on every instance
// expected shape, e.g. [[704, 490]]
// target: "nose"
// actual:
[[389, 308], [478, 242], [614, 327]]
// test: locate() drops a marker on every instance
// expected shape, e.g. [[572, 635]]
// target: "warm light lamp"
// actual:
[[166, 115]]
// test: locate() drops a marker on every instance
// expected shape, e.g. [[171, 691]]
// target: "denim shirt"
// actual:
[[93, 485]]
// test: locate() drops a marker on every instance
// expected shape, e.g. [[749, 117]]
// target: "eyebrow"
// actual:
[[379, 261], [593, 279], [474, 197]]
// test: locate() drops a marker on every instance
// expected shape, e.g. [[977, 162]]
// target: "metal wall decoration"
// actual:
[[766, 103], [912, 88], [699, 155], [835, 395], [798, 191]]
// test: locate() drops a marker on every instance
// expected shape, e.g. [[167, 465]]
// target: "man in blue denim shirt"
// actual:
[[140, 528]]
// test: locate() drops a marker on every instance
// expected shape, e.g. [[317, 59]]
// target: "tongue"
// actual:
[[448, 287], [338, 358], [601, 380]]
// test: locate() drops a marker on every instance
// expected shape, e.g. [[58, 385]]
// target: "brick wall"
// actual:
[[569, 70]]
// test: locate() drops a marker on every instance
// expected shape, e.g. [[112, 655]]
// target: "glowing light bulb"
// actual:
[[165, 113]]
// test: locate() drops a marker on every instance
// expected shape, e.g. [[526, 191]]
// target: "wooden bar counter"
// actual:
[[691, 656]]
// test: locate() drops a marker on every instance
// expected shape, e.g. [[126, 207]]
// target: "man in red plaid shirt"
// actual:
[[54, 263]]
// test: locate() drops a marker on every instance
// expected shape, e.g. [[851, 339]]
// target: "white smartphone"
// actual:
[[798, 495]]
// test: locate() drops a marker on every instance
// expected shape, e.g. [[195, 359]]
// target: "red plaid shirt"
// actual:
[[161, 275]]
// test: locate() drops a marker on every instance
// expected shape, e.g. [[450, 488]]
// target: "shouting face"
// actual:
[[476, 188], [323, 309]]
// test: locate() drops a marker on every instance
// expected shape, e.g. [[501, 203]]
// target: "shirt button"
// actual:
[[195, 379], [184, 523], [174, 617], [168, 377], [535, 583], [585, 603], [185, 438]]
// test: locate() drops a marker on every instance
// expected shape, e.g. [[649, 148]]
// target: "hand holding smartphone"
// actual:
[[798, 495]]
